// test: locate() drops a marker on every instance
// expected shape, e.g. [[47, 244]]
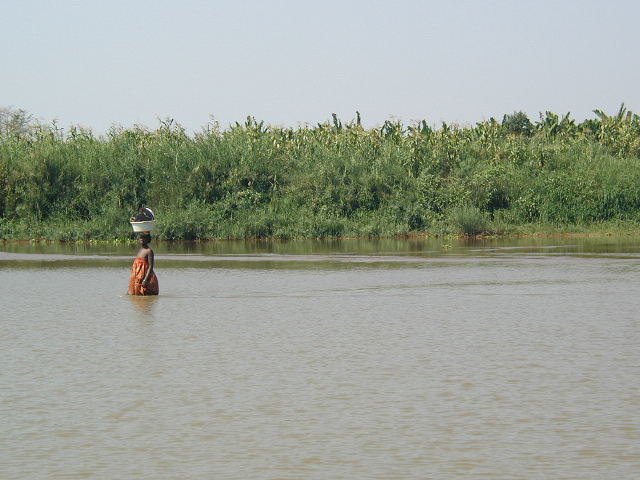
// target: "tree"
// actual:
[[15, 122], [517, 123]]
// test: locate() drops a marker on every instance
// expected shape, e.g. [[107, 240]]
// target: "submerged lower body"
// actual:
[[138, 272]]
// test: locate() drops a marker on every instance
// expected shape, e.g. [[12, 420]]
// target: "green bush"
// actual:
[[468, 220], [334, 179]]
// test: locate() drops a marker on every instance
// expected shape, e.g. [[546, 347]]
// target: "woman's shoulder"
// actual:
[[144, 253]]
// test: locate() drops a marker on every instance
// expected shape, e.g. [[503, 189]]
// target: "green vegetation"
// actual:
[[333, 179]]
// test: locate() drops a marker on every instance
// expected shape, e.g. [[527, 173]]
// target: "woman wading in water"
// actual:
[[143, 280]]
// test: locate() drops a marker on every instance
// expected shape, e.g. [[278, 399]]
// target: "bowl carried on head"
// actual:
[[144, 221], [139, 227]]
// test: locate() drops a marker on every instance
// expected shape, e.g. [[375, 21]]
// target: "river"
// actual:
[[352, 359]]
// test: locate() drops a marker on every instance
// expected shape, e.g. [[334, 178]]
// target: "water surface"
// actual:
[[352, 359]]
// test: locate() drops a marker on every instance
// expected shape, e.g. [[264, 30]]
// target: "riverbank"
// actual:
[[329, 181], [78, 233]]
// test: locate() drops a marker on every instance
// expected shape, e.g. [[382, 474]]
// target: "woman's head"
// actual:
[[144, 238]]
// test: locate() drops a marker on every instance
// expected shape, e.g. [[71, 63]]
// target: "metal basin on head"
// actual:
[[143, 226]]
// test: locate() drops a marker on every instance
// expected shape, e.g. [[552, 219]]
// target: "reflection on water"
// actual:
[[324, 254], [499, 360], [390, 246], [144, 305]]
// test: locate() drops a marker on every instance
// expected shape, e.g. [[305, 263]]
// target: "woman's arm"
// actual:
[[145, 281]]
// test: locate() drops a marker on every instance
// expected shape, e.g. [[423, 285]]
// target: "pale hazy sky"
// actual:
[[98, 63]]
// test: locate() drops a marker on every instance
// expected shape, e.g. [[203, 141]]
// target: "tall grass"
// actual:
[[334, 179]]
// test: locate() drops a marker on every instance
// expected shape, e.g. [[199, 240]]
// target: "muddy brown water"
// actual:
[[499, 359]]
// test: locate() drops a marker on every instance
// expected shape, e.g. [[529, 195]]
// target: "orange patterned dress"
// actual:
[[138, 272]]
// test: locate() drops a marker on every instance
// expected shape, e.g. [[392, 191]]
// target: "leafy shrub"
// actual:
[[468, 220], [334, 179]]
